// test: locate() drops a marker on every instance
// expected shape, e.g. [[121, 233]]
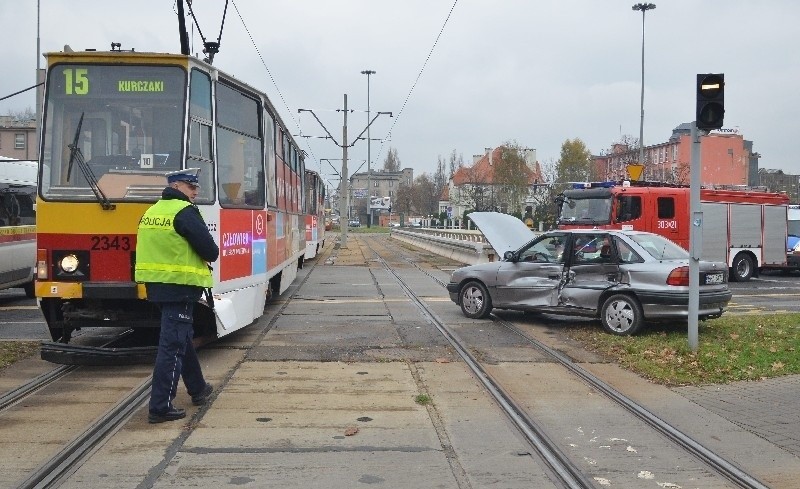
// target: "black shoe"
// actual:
[[171, 415], [202, 397]]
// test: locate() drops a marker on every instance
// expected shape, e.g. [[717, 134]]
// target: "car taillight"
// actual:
[[679, 276]]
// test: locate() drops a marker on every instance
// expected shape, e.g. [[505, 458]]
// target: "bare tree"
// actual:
[[425, 200], [22, 115], [439, 178], [392, 161], [456, 162], [404, 199], [474, 192], [545, 209]]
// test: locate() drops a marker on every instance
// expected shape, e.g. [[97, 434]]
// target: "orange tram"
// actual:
[[114, 123]]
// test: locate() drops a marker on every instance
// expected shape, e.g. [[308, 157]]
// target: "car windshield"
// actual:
[[660, 247]]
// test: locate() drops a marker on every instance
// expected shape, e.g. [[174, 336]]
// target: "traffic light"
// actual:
[[710, 100]]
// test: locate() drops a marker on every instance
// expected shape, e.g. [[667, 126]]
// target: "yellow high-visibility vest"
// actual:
[[163, 255]]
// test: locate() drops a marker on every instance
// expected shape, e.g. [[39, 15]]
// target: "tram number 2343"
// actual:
[[104, 243], [670, 224]]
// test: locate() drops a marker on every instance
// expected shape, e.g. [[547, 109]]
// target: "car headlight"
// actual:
[[69, 263]]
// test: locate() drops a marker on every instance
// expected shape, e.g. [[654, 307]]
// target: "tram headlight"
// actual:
[[69, 263]]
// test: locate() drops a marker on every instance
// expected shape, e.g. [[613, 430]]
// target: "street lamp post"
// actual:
[[369, 156], [644, 7]]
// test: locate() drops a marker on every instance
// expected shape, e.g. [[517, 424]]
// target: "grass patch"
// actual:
[[423, 399], [729, 348], [12, 351]]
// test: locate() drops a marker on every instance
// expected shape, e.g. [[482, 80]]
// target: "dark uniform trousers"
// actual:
[[176, 357]]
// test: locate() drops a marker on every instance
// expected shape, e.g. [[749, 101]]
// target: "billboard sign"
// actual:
[[382, 203]]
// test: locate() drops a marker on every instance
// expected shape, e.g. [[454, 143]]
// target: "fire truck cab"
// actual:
[[745, 228]]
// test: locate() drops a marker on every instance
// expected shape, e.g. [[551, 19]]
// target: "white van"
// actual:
[[17, 224]]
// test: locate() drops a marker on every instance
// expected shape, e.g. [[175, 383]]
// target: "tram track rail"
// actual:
[[52, 472], [17, 394], [58, 467], [551, 453]]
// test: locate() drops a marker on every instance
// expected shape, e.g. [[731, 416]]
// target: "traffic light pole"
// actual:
[[695, 237], [709, 114]]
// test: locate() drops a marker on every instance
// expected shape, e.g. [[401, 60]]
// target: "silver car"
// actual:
[[623, 277]]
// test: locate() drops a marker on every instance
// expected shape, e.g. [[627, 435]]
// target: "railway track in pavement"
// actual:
[[570, 472]]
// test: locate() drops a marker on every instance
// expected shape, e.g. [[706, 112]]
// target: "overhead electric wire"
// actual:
[[419, 75], [402, 108], [272, 79]]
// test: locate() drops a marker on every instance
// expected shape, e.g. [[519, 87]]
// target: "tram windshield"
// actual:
[[111, 131]]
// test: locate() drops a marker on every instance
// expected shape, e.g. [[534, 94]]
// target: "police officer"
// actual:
[[173, 250]]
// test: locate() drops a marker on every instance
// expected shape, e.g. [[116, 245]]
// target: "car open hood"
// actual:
[[504, 232]]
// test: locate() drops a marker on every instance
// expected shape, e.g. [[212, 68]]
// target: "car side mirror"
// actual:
[[509, 256]]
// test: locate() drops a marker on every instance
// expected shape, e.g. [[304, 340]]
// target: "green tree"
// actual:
[[575, 163]]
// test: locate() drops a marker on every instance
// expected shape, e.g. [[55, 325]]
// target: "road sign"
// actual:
[[635, 171]]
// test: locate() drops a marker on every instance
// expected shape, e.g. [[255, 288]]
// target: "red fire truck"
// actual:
[[745, 228]]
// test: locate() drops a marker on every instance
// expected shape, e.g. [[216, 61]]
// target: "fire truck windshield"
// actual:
[[582, 207]]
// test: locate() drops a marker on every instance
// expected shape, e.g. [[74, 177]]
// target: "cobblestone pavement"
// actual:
[[768, 408]]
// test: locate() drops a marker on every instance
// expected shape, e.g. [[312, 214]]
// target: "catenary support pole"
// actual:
[[344, 193]]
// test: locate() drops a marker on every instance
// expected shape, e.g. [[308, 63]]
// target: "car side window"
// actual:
[[588, 248], [626, 253], [547, 250]]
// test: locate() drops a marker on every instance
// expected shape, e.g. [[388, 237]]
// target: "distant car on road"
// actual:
[[624, 278], [354, 223]]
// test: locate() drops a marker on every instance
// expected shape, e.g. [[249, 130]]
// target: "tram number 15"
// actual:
[[76, 81]]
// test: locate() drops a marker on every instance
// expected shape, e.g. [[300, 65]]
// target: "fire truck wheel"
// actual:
[[475, 300], [621, 315], [742, 268]]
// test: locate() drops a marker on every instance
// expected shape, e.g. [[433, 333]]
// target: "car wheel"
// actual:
[[621, 315], [742, 268], [475, 300]]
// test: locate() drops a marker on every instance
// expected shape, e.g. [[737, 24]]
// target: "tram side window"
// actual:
[[269, 141], [629, 207], [241, 174], [302, 182], [200, 143], [666, 207]]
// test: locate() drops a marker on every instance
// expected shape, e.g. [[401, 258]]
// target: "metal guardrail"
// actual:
[[466, 246]]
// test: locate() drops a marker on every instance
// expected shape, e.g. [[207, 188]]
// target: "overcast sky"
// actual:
[[537, 72]]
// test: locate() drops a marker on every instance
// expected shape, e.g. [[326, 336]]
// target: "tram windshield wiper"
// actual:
[[76, 155], [74, 149]]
